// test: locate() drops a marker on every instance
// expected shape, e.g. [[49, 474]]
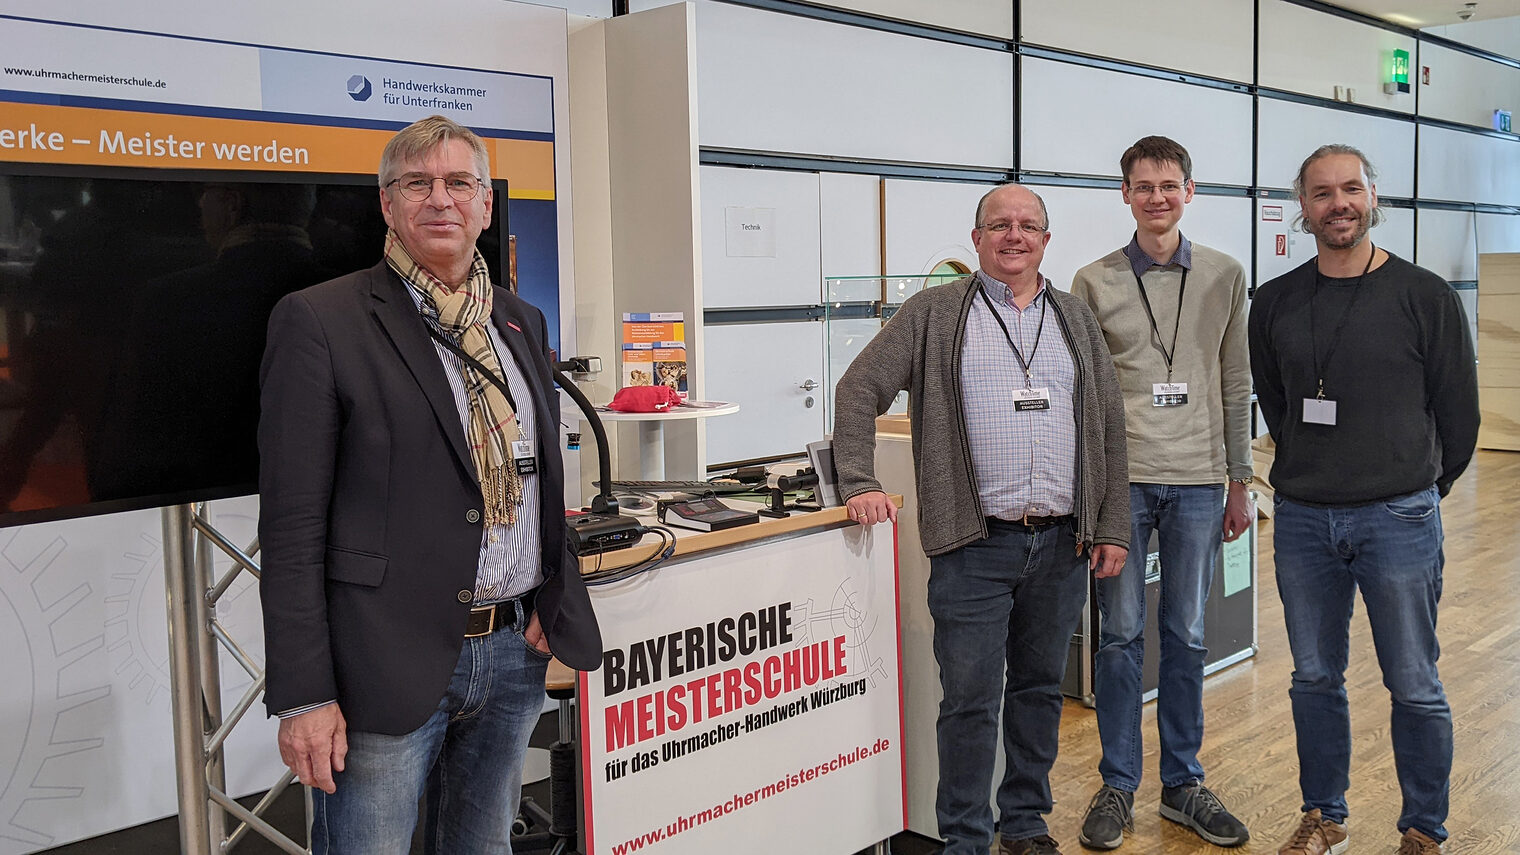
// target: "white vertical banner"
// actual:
[[752, 694]]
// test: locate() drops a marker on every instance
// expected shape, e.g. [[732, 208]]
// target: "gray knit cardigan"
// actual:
[[919, 350]]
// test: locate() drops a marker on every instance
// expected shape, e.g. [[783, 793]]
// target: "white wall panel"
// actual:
[[1087, 224], [1498, 233], [985, 17], [1396, 235], [588, 8], [1465, 88], [777, 263], [1312, 52], [777, 82], [1290, 132], [1079, 120], [849, 210], [763, 367], [1448, 244], [1456, 166], [1498, 35], [927, 222], [1207, 37]]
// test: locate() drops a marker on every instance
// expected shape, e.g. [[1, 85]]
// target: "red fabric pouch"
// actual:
[[644, 399]]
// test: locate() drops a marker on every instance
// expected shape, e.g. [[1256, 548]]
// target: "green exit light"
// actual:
[[1398, 71]]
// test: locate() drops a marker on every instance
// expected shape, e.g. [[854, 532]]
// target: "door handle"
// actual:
[[808, 385]]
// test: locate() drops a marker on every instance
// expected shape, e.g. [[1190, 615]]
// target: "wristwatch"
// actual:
[[1246, 480]]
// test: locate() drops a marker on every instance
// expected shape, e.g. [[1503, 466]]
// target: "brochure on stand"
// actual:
[[654, 350]]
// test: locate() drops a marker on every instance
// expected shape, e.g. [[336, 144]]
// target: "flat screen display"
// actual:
[[133, 306]]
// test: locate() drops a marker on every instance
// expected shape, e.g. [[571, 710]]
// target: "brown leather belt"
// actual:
[[486, 619]]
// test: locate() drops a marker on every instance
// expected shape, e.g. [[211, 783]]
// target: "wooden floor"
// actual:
[[1248, 748]]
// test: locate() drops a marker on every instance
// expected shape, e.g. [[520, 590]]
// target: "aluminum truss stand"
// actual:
[[196, 638]]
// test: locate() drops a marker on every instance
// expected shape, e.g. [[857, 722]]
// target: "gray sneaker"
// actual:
[[1196, 807], [1109, 815]]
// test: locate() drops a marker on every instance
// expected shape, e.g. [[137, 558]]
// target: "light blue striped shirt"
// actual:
[[511, 560], [1025, 462]]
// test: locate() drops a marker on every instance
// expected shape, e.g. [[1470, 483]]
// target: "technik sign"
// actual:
[[776, 718]]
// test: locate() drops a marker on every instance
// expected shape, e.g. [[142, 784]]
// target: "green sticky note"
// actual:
[[1237, 565]]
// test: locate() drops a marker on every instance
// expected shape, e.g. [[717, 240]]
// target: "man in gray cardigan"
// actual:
[[1023, 487]]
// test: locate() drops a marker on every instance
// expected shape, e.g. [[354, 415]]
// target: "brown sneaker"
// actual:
[[1317, 836], [1042, 845], [1416, 843]]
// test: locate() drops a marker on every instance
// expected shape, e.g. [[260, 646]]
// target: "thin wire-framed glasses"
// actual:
[[1029, 229], [462, 186], [1168, 189]]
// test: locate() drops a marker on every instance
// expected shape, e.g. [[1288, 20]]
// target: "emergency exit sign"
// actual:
[[1398, 73]]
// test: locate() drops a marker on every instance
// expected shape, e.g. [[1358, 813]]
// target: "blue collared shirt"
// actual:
[[1140, 262], [1024, 462]]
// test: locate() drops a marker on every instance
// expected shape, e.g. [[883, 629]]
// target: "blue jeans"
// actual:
[[1189, 521], [467, 758], [1022, 592], [1392, 551]]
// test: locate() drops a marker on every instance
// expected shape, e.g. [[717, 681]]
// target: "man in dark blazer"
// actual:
[[415, 574]]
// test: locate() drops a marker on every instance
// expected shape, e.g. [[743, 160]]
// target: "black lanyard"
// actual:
[[476, 364], [1023, 363], [1335, 338], [1168, 355]]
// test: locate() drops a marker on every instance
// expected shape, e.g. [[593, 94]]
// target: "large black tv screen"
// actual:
[[133, 306]]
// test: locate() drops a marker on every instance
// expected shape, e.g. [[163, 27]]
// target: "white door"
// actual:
[[774, 371]]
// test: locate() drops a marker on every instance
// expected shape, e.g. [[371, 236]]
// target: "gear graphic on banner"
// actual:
[[43, 645]]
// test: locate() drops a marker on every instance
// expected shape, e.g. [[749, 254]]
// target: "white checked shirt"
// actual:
[[1025, 462]]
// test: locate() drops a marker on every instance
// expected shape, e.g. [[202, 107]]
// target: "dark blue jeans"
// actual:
[[1017, 593], [1190, 523], [467, 758], [1392, 551]]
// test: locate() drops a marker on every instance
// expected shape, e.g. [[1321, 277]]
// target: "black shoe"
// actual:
[[1042, 845], [1109, 815], [1196, 807]]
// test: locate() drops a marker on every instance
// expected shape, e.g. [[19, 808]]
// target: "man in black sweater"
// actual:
[[1366, 376]]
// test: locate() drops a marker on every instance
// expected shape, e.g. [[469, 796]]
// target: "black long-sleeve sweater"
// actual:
[[1403, 377]]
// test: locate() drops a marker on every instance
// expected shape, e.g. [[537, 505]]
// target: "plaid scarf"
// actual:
[[493, 428]]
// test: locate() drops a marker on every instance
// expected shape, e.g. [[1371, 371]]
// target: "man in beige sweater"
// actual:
[[1174, 316]]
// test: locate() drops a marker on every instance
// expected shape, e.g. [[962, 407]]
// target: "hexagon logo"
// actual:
[[359, 88]]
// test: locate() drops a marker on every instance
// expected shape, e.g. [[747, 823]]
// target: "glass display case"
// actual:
[[855, 307]]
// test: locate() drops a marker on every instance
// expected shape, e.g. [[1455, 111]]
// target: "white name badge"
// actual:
[[1031, 399], [1319, 411], [1168, 394], [522, 457]]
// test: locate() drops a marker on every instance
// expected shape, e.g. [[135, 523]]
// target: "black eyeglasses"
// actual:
[[462, 186]]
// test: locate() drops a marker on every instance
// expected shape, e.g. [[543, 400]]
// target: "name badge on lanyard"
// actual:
[[1168, 394], [1025, 400], [522, 457], [1319, 411]]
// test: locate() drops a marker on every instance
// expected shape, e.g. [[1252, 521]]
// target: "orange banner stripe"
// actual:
[[43, 133]]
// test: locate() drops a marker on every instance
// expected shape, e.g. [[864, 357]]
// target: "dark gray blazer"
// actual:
[[370, 505]]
